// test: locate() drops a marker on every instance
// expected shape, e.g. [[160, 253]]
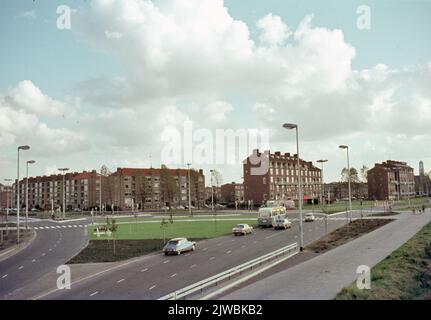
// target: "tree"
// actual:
[[145, 188], [353, 175], [169, 187], [112, 227], [364, 173]]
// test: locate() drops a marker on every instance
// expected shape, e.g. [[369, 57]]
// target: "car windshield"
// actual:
[[240, 226], [174, 242]]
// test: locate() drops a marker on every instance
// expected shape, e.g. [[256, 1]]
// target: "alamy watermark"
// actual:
[[363, 281], [64, 280], [363, 22], [64, 20]]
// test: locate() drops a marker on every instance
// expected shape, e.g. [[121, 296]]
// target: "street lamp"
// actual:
[[291, 126], [349, 178], [322, 191], [190, 199], [24, 148], [64, 190], [212, 190], [26, 194]]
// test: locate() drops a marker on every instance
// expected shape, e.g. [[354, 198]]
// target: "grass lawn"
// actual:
[[404, 275], [189, 229], [341, 206]]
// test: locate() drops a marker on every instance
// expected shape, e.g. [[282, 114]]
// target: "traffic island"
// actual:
[[403, 275]]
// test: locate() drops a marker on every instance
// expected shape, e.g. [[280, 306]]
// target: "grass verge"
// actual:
[[403, 275], [346, 233]]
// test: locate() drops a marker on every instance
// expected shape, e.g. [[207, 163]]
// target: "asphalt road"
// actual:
[[54, 245], [154, 276]]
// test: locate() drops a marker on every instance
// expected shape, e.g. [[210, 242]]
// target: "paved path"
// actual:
[[324, 276]]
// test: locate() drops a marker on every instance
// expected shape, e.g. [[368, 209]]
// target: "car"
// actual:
[[178, 246], [76, 210], [281, 222], [34, 210], [309, 217], [180, 208], [242, 229]]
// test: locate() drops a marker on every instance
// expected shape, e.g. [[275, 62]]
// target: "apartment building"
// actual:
[[391, 180], [209, 193], [280, 180], [5, 197], [232, 192], [152, 188], [80, 189]]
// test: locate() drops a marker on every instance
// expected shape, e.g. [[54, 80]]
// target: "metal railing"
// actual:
[[228, 274]]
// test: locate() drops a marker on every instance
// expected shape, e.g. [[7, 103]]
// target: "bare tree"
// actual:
[[364, 173], [169, 187]]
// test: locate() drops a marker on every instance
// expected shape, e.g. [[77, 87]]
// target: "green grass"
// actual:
[[404, 275], [340, 206], [188, 229]]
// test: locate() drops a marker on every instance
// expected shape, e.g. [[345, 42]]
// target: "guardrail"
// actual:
[[215, 280]]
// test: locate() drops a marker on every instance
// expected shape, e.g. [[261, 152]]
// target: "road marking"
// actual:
[[33, 261], [243, 246], [64, 227], [121, 280], [233, 240], [36, 228], [212, 258], [94, 293], [192, 266], [69, 226], [229, 252], [20, 267], [58, 227], [173, 275], [4, 276], [143, 270], [52, 227], [152, 287], [50, 250], [167, 261], [204, 249], [74, 225], [43, 254]]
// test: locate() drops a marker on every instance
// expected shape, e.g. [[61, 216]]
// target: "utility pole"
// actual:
[[64, 190], [190, 198]]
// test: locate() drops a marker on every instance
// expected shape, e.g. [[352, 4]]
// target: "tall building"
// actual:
[[232, 192], [5, 197], [422, 182], [279, 180], [391, 180], [152, 188]]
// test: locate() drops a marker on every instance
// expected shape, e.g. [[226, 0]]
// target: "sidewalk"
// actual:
[[324, 276]]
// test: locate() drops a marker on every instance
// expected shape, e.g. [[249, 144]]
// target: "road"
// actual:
[[54, 245], [154, 276]]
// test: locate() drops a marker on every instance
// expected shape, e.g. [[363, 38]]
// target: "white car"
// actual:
[[309, 217], [242, 229], [281, 223]]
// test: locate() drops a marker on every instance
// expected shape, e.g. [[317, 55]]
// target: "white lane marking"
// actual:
[[121, 280], [204, 249], [143, 270], [50, 250], [74, 225], [229, 252], [152, 287], [58, 227], [212, 258], [167, 261], [69, 226], [192, 266], [52, 227], [94, 293], [43, 254], [4, 276], [20, 267], [33, 261], [64, 227], [173, 275], [36, 228]]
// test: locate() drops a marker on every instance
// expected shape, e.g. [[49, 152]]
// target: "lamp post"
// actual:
[[322, 191], [212, 190], [291, 126], [64, 190], [26, 193], [349, 179], [190, 194], [24, 148]]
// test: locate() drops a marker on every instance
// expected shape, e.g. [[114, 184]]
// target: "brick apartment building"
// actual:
[[5, 197], [217, 194], [422, 182], [391, 180], [232, 192], [81, 190], [152, 188], [280, 181], [340, 190]]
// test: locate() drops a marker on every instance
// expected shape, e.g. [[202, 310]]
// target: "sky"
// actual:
[[119, 86]]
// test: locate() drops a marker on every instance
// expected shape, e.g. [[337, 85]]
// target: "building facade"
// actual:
[[391, 180], [209, 194], [340, 190], [5, 197], [422, 182], [279, 178], [153, 188], [232, 192]]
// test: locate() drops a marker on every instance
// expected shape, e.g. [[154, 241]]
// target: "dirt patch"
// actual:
[[346, 233], [102, 250]]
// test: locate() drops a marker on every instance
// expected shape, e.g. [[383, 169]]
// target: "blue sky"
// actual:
[[58, 61]]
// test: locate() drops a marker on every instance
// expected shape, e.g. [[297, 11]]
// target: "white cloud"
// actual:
[[273, 30]]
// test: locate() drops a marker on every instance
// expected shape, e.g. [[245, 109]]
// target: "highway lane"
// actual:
[[54, 245], [156, 275]]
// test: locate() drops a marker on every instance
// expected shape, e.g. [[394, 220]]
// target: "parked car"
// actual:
[[280, 222], [309, 217], [76, 210], [34, 210], [242, 229], [180, 208], [178, 246]]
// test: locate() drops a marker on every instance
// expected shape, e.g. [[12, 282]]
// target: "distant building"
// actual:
[[232, 192], [209, 193], [280, 181], [391, 180], [340, 190], [152, 188], [5, 197], [422, 182]]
